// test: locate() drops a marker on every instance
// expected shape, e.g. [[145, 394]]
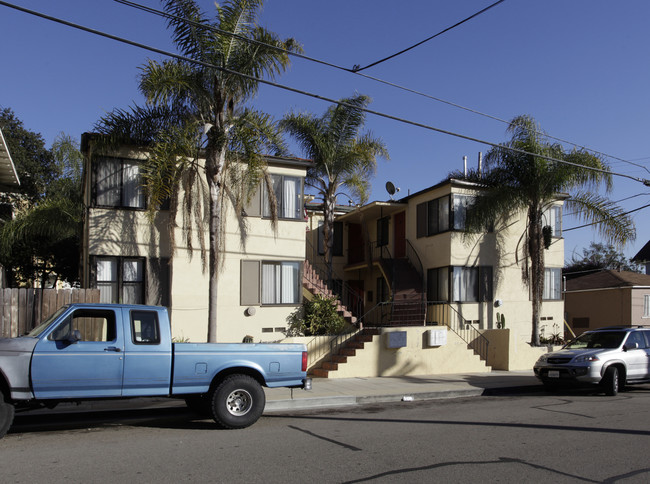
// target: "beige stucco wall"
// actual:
[[510, 350], [416, 358], [129, 233]]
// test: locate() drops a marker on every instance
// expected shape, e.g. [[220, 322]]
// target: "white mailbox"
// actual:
[[437, 337]]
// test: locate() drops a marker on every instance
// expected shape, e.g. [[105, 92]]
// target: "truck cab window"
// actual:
[[144, 327], [93, 325]]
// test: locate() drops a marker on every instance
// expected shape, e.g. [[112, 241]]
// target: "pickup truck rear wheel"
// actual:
[[237, 402], [7, 412]]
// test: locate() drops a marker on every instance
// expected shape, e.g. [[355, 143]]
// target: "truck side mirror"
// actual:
[[75, 336]]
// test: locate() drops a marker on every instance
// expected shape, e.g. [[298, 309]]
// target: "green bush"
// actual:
[[316, 317]]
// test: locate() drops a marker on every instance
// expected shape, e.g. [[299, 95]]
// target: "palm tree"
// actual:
[[516, 182], [196, 108], [342, 157]]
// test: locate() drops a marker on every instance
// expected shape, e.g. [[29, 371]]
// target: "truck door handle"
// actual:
[[113, 348]]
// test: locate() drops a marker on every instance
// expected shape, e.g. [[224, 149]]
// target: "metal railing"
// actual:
[[345, 293], [432, 313], [445, 313]]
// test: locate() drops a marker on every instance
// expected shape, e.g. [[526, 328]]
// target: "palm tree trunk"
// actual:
[[536, 254], [328, 239], [215, 159]]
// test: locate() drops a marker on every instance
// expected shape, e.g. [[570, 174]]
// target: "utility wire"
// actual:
[[358, 68], [160, 13], [309, 94], [599, 221]]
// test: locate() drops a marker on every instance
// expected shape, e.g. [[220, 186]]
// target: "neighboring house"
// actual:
[[9, 183], [607, 298], [130, 259], [409, 263], [643, 257]]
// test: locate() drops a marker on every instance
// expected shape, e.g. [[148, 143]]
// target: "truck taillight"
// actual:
[[304, 361]]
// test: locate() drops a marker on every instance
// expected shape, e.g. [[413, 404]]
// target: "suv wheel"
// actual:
[[611, 381]]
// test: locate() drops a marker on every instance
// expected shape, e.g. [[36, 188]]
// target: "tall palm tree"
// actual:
[[198, 108], [342, 157], [516, 182]]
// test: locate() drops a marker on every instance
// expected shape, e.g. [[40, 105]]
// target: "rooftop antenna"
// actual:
[[391, 189]]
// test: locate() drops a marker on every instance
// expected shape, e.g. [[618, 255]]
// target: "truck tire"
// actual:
[[237, 402], [7, 412], [611, 381]]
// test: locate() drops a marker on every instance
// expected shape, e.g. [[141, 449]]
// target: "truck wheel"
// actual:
[[7, 412], [237, 402], [610, 381]]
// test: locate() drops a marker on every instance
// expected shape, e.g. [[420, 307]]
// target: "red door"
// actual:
[[355, 244]]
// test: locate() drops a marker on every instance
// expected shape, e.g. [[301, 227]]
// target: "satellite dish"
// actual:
[[391, 189]]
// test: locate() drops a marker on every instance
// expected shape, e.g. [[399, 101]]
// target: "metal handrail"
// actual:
[[346, 294], [463, 328]]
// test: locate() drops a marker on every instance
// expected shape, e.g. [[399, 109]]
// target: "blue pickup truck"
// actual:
[[103, 351]]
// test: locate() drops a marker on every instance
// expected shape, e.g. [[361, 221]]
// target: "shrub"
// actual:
[[316, 317]]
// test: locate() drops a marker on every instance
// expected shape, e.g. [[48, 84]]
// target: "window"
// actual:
[[118, 183], [337, 239], [144, 327], [288, 193], [461, 202], [120, 279], [382, 231], [281, 282], [433, 217], [460, 284], [552, 217], [464, 284], [646, 305], [552, 284], [438, 284], [92, 324]]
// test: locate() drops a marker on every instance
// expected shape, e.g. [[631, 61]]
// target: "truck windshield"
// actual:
[[34, 333], [600, 339]]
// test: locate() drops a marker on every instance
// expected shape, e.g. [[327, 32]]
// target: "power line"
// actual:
[[160, 13], [358, 68], [599, 221], [313, 95]]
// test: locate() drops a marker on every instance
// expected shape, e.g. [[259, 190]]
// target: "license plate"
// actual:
[[554, 373]]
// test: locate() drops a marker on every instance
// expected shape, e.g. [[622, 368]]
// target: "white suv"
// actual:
[[612, 357]]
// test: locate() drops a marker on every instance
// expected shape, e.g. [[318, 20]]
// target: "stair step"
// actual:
[[339, 359], [320, 373], [330, 366], [347, 352]]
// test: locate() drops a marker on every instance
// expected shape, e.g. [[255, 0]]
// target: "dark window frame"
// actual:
[[121, 205]]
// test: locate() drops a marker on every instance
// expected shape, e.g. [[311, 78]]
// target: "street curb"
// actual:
[[342, 401]]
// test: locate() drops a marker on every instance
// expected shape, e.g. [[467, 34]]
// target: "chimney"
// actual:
[[465, 165], [480, 164]]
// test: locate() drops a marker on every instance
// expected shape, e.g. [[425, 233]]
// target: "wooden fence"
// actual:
[[23, 309]]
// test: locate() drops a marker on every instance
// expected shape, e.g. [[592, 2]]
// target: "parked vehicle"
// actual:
[[611, 357], [100, 351]]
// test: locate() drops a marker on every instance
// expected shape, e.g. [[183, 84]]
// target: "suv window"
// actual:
[[600, 339], [636, 337]]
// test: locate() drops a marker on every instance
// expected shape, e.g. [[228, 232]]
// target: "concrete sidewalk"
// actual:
[[327, 393], [356, 391]]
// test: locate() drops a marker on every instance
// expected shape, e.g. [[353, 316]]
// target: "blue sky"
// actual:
[[580, 67]]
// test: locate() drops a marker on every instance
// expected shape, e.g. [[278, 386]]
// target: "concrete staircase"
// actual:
[[313, 283], [408, 307], [345, 351]]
